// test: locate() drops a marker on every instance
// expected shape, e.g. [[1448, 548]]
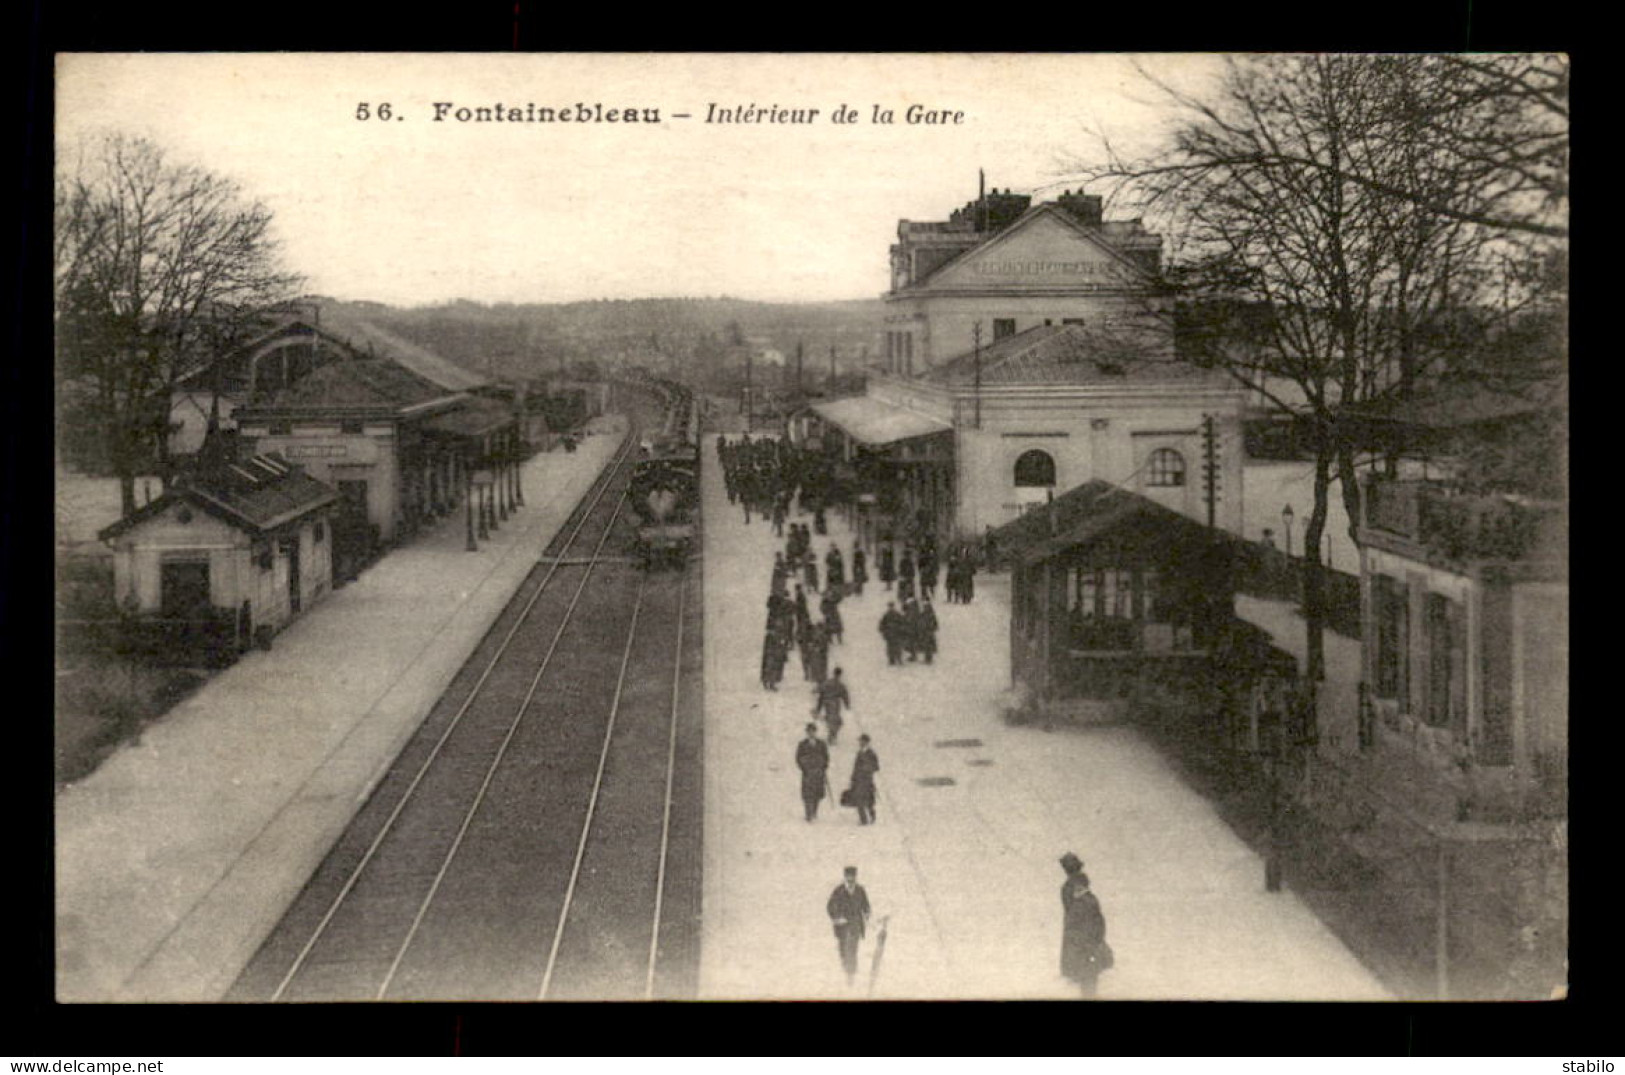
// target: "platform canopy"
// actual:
[[874, 422]]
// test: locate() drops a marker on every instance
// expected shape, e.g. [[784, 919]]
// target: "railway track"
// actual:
[[538, 837]]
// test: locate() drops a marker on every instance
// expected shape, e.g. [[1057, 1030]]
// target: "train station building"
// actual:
[[404, 435], [1028, 350]]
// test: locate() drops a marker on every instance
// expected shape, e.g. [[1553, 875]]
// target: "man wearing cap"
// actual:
[[1084, 953], [848, 909], [812, 758]]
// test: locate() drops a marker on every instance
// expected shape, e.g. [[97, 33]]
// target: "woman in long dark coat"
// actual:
[[888, 569], [860, 569], [1083, 934]]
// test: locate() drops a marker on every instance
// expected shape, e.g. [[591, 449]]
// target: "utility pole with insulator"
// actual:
[[1210, 468]]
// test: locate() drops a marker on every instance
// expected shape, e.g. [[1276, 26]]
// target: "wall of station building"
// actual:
[[330, 455], [1111, 440], [1508, 630], [914, 341]]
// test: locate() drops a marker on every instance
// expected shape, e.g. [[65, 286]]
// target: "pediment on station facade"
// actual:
[[1045, 249]]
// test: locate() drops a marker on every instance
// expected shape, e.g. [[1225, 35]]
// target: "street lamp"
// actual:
[[1286, 521]]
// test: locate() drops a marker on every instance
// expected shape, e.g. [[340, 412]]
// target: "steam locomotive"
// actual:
[[666, 496]]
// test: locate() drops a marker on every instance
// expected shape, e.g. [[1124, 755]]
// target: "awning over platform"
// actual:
[[874, 422], [473, 417]]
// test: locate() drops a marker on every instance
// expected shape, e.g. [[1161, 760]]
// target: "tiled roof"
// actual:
[[367, 337], [259, 493], [371, 382], [1072, 355], [1091, 511], [1451, 405]]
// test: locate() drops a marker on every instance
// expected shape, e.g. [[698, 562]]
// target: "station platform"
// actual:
[[973, 815], [181, 851]]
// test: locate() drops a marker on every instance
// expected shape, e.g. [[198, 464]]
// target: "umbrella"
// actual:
[[880, 950]]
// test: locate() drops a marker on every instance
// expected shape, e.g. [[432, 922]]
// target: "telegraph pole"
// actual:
[[1210, 468], [798, 367], [832, 367], [748, 399], [976, 332]]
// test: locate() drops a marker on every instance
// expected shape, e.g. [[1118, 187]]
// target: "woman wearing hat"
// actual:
[[1084, 952]]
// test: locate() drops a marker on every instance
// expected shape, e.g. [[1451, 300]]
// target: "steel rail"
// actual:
[[502, 750], [592, 801], [603, 485], [671, 770]]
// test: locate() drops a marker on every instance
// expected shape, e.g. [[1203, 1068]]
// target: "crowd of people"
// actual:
[[791, 491]]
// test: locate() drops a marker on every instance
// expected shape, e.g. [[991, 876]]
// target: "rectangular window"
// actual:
[[1391, 606], [1071, 320], [318, 532], [1003, 326], [1122, 594], [1446, 664], [281, 429], [350, 426], [1156, 610]]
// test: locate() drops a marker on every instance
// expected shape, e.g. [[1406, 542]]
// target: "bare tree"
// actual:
[[1347, 227], [158, 264]]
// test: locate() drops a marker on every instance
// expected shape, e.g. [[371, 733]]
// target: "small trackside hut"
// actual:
[[228, 555]]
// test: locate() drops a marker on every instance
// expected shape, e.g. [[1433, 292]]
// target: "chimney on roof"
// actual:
[[1084, 208]]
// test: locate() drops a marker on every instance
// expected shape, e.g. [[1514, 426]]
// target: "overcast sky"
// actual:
[[411, 211]]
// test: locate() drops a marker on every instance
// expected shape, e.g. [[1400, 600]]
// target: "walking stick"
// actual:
[[880, 950]]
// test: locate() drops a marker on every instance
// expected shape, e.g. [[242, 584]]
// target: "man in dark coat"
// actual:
[[913, 629], [860, 569], [848, 910], [834, 570], [830, 608], [864, 768], [892, 629], [1083, 934], [928, 573], [775, 651], [832, 696], [812, 758], [927, 625], [888, 570]]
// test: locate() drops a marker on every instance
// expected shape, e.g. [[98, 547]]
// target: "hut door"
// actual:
[[184, 589], [293, 575]]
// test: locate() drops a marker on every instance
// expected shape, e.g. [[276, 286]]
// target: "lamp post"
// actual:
[[1286, 521], [468, 500]]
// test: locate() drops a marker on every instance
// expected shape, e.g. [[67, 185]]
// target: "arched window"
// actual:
[[1035, 469], [1166, 467]]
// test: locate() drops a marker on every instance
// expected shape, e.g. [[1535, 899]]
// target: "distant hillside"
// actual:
[[704, 336]]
